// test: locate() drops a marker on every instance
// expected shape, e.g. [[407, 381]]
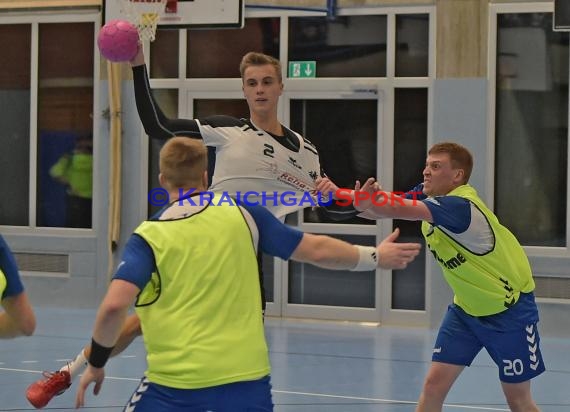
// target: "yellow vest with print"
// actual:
[[201, 313], [482, 284]]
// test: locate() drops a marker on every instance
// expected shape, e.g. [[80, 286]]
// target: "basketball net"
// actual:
[[144, 14]]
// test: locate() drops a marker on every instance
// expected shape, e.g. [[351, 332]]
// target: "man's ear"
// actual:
[[162, 180], [460, 176], [205, 179]]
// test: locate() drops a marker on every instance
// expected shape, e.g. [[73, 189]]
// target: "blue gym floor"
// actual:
[[317, 366]]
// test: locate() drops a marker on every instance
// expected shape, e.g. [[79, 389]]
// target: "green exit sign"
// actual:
[[303, 69]]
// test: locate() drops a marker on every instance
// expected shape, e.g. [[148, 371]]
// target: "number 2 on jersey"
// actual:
[[269, 150]]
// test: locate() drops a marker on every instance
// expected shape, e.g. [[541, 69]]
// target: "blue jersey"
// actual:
[[9, 272]]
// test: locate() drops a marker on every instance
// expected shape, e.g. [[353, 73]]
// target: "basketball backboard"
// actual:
[[184, 14]]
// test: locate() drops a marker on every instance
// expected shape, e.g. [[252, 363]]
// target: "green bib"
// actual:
[[483, 284], [201, 313]]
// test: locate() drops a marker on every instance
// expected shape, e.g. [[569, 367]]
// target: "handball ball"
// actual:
[[118, 41]]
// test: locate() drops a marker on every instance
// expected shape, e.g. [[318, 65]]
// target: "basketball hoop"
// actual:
[[144, 14]]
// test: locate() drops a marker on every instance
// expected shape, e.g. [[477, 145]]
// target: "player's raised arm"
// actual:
[[156, 124]]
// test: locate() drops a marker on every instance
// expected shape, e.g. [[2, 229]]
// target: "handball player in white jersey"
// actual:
[[258, 154]]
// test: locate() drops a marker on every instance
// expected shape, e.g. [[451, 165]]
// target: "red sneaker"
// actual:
[[42, 391]]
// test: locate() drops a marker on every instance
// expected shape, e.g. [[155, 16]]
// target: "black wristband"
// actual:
[[99, 354]]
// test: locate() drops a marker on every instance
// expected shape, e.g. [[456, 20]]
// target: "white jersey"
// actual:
[[249, 159], [244, 158]]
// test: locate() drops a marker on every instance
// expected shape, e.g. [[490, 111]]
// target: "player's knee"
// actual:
[[521, 402], [519, 397], [435, 389]]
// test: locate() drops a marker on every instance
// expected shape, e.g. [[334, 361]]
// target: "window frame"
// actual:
[[35, 18], [532, 251]]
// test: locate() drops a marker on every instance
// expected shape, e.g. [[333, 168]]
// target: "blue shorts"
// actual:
[[247, 396], [511, 338]]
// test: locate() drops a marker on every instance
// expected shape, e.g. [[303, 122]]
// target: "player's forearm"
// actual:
[[326, 252], [108, 325], [390, 205], [400, 208], [113, 312]]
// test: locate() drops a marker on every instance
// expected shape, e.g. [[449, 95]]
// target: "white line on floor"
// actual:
[[320, 395]]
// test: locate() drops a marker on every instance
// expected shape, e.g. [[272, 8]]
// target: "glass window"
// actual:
[[218, 53], [412, 45], [349, 46], [164, 52], [410, 147], [15, 43], [65, 125], [311, 285], [531, 128], [347, 150], [167, 100]]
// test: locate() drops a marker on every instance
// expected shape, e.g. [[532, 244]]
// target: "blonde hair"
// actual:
[[182, 162], [260, 59], [460, 156]]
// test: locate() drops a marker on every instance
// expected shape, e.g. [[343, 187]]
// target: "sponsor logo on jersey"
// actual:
[[293, 162], [452, 263], [295, 182]]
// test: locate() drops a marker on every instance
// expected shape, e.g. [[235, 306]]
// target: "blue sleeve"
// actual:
[[9, 269], [417, 193], [275, 238], [450, 212], [137, 263]]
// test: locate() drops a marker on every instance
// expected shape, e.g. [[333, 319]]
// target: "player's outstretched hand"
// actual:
[[363, 195], [392, 255], [91, 375], [326, 187]]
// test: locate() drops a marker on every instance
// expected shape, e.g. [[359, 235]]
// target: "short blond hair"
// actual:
[[260, 59], [182, 162], [460, 156]]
